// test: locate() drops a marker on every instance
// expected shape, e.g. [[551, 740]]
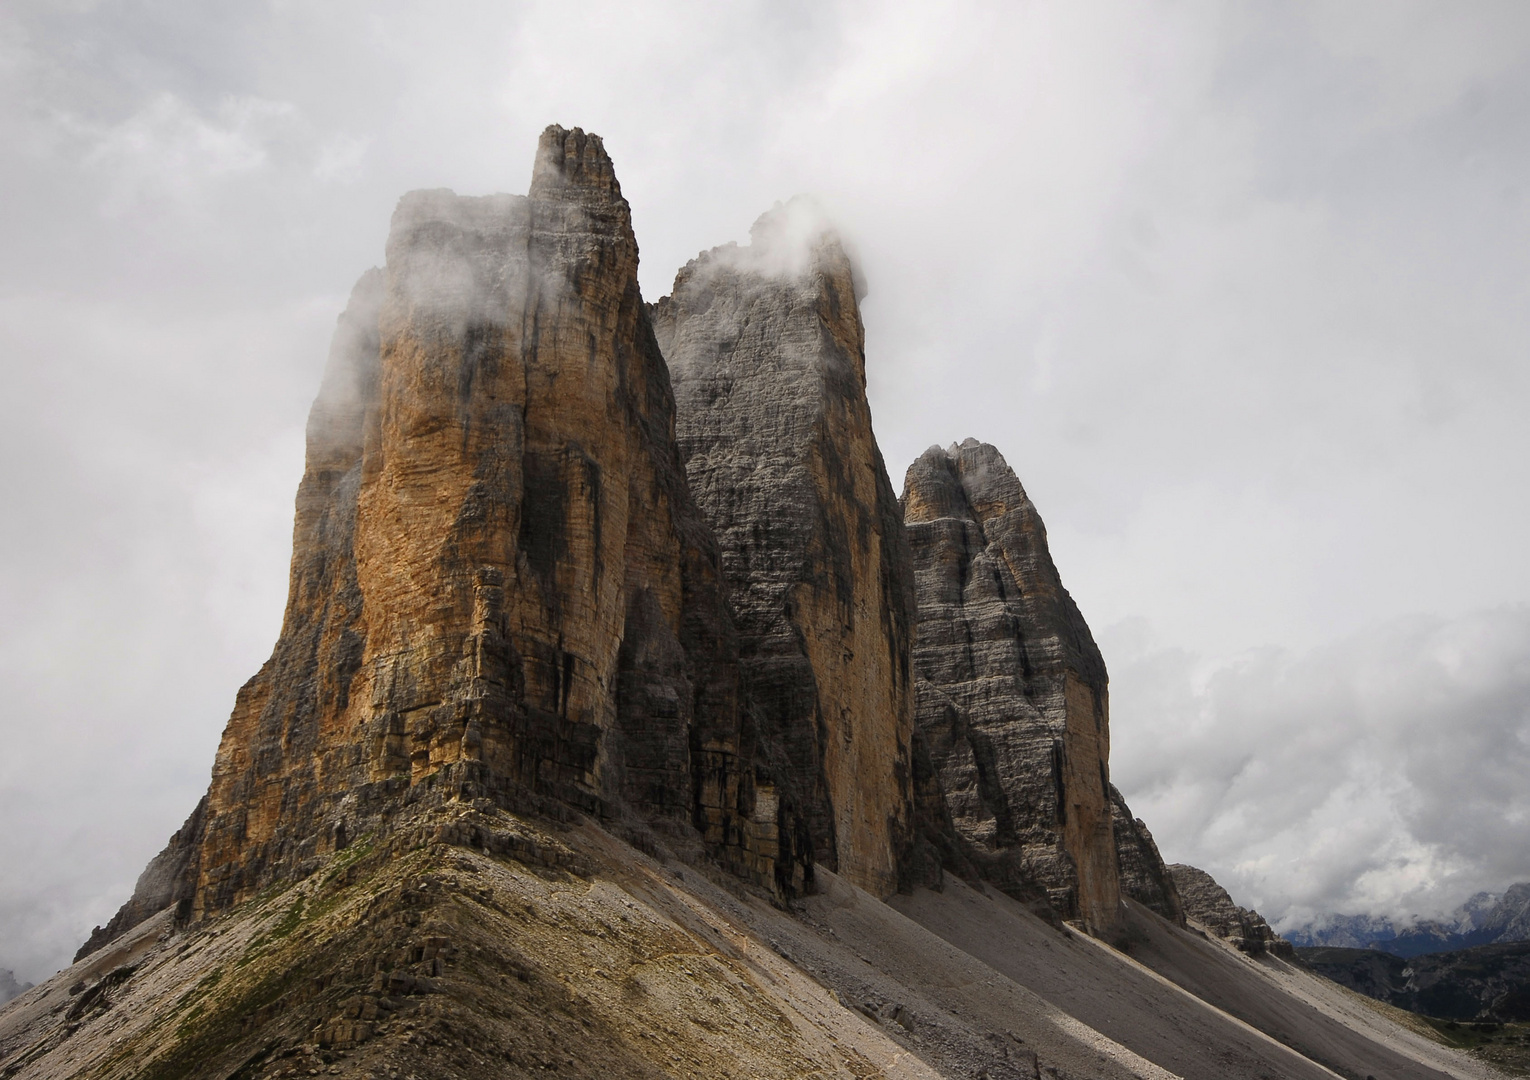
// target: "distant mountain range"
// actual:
[[1485, 919], [1485, 983]]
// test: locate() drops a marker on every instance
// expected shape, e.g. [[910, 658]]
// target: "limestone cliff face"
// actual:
[[500, 585], [766, 352], [1144, 877], [1013, 692]]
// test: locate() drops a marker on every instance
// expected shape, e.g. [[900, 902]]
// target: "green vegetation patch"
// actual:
[[359, 849], [1506, 1046]]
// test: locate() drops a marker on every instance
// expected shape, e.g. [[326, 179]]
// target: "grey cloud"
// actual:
[[1383, 773]]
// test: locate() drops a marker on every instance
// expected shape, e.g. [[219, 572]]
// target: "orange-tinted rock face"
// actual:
[[500, 586], [766, 350], [1013, 692]]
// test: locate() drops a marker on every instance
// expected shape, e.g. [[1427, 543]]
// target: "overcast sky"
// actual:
[[1241, 290]]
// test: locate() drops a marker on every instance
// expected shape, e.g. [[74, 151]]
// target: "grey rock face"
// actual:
[[1144, 877], [766, 355], [1013, 691], [1208, 903], [9, 987]]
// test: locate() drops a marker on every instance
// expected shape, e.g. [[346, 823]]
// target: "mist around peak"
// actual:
[[788, 242]]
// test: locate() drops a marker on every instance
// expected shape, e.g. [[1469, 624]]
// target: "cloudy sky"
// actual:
[[1241, 290]]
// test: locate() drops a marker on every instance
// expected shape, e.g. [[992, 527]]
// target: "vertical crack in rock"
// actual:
[[766, 350], [1012, 690]]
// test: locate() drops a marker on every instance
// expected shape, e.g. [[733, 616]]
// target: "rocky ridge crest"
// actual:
[[1208, 904]]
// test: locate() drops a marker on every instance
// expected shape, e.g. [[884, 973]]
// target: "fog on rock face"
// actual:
[[767, 357]]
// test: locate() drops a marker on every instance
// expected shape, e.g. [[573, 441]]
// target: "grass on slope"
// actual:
[[1506, 1046]]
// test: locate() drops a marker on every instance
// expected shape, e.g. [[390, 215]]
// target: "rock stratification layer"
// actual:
[[766, 351], [1012, 697]]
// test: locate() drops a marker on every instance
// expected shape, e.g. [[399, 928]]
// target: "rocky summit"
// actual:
[[1013, 692], [624, 723], [767, 355]]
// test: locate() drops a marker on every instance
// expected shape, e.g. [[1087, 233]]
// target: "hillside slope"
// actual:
[[477, 943]]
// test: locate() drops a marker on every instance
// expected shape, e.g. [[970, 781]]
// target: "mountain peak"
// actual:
[[571, 163]]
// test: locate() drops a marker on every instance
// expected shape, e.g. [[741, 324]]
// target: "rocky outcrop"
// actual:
[[1013, 692], [1144, 877], [1207, 903], [766, 352], [534, 563], [9, 987], [500, 585]]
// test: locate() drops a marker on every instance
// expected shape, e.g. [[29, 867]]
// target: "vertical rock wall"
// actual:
[[1012, 701], [500, 585], [766, 351], [267, 775]]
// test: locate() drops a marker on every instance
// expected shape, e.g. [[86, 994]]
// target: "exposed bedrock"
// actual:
[[1144, 877], [500, 585], [766, 352], [1013, 692], [1207, 903]]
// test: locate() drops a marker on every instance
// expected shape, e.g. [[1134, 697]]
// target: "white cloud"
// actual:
[[169, 150], [342, 159], [1380, 773]]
